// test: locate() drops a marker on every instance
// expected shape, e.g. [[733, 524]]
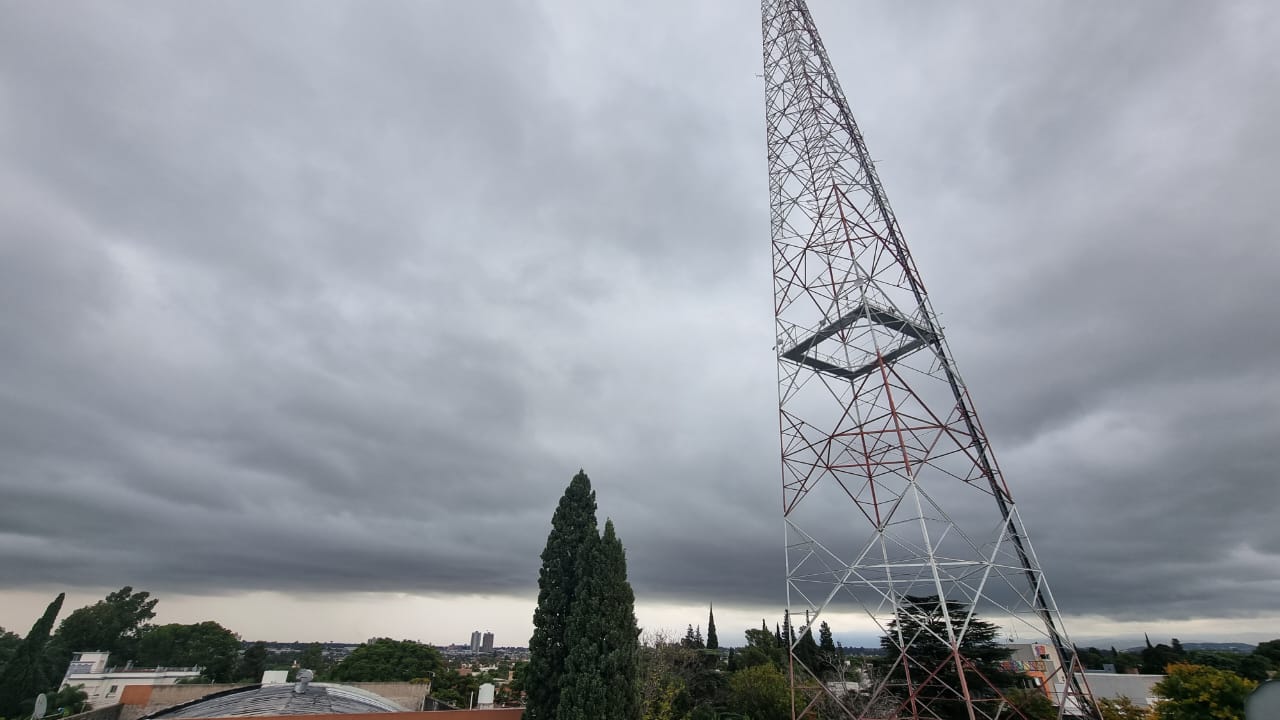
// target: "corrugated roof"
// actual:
[[319, 699]]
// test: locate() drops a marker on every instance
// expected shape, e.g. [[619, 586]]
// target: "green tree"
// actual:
[[693, 640], [1254, 667], [1251, 666], [112, 624], [518, 676], [807, 651], [600, 678], [1122, 709], [830, 660], [1156, 659], [678, 681], [713, 642], [826, 642], [760, 692], [312, 658], [69, 700], [1125, 661], [762, 647], [212, 647], [9, 642], [573, 527], [454, 688], [254, 663], [660, 695], [1196, 692], [1269, 650], [918, 644], [1031, 704], [24, 676], [387, 660], [1092, 658]]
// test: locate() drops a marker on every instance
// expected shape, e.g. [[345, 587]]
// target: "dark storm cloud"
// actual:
[[338, 297], [1098, 181]]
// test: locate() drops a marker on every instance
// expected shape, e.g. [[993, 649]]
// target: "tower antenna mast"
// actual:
[[895, 510]]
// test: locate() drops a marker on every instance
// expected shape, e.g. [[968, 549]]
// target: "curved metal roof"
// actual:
[[319, 699]]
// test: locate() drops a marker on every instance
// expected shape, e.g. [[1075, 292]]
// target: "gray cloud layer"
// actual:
[[333, 297]]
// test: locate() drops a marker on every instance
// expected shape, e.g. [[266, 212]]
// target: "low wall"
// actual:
[[107, 712], [141, 700], [407, 695]]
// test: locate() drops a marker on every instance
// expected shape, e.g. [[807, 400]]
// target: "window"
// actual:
[[113, 689]]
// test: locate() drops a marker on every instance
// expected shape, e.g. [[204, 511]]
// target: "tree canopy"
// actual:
[[387, 660], [254, 662], [1196, 692], [312, 658], [760, 692], [1122, 709], [762, 647], [693, 638], [69, 700], [9, 642], [1155, 658], [207, 644], [930, 666], [25, 676], [112, 624], [676, 681], [1269, 650]]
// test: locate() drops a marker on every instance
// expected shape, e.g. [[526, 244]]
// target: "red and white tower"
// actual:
[[894, 506]]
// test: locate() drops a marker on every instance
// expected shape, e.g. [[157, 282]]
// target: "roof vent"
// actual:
[[304, 679]]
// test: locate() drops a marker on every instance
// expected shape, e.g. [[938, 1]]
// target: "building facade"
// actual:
[[104, 685]]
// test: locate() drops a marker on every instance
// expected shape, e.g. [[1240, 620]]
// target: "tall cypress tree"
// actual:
[[573, 529], [690, 640], [807, 650], [713, 642], [826, 642], [829, 658], [24, 676], [601, 671]]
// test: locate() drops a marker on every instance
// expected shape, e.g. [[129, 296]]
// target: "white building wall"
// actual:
[[103, 684]]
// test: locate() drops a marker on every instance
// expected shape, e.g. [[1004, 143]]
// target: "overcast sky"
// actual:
[[309, 311]]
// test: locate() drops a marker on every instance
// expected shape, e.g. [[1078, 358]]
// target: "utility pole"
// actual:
[[894, 507]]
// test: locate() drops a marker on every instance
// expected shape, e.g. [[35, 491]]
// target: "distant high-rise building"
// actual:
[[487, 644], [475, 641]]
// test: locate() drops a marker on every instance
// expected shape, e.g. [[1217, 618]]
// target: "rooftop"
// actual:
[[257, 701]]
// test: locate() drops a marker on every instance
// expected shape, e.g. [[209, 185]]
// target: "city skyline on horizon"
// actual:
[[406, 622]]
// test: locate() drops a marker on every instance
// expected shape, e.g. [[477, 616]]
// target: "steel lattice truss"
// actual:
[[894, 505]]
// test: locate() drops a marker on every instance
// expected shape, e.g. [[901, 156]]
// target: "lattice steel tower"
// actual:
[[894, 506]]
